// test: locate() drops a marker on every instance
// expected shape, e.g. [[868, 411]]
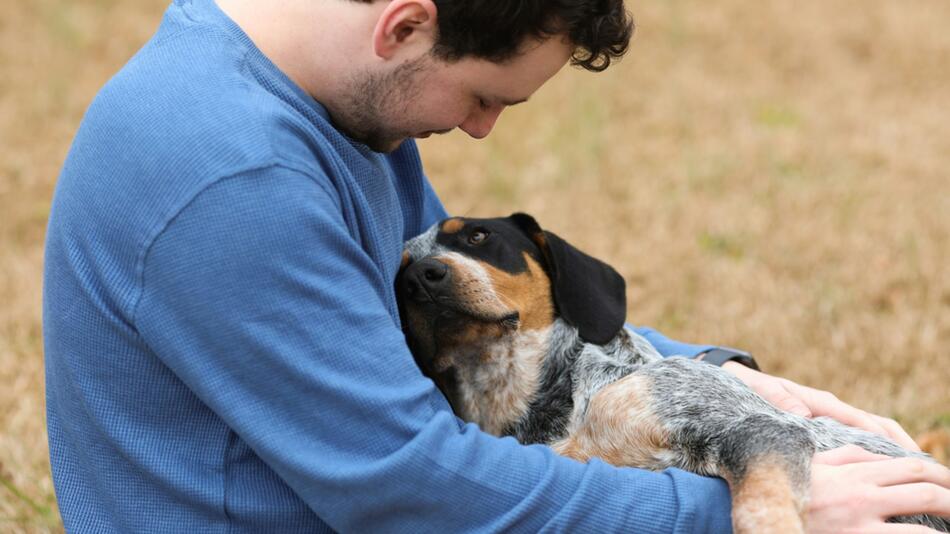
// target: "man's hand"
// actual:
[[809, 402], [853, 490]]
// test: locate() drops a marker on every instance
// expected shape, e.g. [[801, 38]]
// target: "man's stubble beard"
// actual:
[[372, 101]]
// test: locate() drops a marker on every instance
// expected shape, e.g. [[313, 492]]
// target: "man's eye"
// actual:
[[478, 237]]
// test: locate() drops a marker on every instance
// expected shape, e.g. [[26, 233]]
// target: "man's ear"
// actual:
[[589, 294], [403, 22]]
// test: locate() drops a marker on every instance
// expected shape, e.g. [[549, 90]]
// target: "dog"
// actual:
[[525, 335]]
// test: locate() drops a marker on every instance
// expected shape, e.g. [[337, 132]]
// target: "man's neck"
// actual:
[[318, 45]]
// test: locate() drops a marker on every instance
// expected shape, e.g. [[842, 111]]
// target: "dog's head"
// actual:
[[477, 295]]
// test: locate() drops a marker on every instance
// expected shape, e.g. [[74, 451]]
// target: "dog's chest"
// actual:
[[500, 379]]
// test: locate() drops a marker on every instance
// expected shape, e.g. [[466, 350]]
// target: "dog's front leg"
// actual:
[[767, 464]]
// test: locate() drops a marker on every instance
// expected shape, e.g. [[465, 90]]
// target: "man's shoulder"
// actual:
[[185, 93], [184, 114], [189, 109]]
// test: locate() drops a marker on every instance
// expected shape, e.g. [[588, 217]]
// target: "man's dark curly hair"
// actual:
[[599, 30]]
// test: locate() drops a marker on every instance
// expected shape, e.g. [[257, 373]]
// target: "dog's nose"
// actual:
[[426, 278]]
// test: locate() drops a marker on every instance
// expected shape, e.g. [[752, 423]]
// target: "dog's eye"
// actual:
[[478, 237]]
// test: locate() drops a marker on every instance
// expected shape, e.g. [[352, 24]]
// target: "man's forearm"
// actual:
[[668, 347]]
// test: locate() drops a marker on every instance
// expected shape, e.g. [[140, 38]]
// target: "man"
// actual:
[[222, 341]]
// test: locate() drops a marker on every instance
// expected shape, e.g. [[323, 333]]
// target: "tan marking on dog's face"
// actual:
[[529, 293], [473, 288], [452, 226], [765, 502], [488, 291], [620, 428], [405, 259]]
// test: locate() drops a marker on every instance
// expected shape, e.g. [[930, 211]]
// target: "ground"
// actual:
[[769, 175]]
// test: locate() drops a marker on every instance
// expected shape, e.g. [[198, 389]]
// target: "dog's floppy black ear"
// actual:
[[589, 294]]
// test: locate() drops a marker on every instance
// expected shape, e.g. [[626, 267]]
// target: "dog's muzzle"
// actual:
[[426, 280]]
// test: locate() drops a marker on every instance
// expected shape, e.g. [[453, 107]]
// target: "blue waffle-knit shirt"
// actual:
[[223, 350]]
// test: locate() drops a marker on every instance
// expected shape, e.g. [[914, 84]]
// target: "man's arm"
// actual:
[[668, 347], [259, 300]]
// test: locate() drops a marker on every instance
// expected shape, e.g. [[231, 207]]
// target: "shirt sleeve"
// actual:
[[668, 347], [257, 297]]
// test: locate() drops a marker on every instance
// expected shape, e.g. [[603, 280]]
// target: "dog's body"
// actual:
[[524, 334]]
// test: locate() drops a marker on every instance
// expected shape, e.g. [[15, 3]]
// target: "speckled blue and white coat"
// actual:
[[485, 319]]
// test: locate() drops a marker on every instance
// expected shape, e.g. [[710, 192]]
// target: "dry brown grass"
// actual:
[[770, 175]]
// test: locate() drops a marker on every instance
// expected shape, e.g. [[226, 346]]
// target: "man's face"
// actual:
[[426, 95]]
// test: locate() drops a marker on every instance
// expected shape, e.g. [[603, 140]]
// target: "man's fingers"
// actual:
[[777, 391], [908, 470], [849, 415], [809, 402], [909, 499], [847, 454], [783, 399], [897, 433], [824, 403]]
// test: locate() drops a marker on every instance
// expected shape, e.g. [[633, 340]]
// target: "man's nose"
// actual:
[[480, 122]]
